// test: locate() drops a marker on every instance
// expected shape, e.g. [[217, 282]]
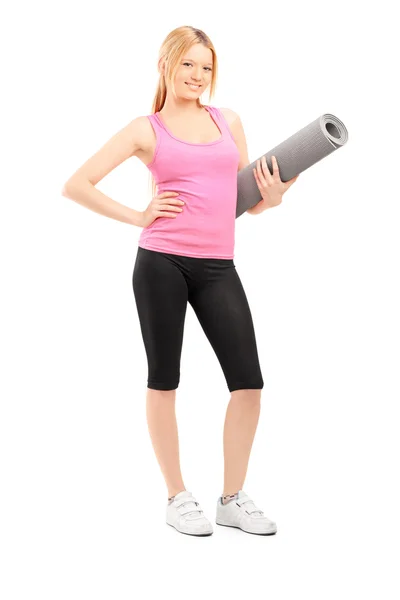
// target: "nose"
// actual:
[[197, 76]]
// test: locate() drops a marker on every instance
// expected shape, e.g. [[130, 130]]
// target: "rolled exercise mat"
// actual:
[[296, 154]]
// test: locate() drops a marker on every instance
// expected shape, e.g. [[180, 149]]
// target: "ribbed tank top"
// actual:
[[205, 177]]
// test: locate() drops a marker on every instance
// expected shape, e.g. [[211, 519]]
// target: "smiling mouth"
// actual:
[[194, 84]]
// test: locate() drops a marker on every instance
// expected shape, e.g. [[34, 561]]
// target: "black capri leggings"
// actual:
[[163, 283]]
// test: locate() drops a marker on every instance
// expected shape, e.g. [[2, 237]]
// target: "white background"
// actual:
[[83, 499]]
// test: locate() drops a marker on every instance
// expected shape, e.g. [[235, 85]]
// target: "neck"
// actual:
[[174, 108]]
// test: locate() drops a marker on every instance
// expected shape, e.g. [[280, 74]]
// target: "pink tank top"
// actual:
[[205, 177]]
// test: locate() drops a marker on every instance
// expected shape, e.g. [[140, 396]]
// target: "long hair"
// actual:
[[172, 50]]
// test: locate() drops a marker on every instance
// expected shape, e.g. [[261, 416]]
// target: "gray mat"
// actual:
[[296, 154]]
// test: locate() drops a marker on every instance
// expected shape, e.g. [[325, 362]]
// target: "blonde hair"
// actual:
[[172, 50]]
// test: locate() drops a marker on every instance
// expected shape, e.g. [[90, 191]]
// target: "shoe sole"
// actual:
[[245, 530], [186, 533]]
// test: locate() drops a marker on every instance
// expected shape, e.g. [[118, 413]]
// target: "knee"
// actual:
[[250, 395], [253, 387]]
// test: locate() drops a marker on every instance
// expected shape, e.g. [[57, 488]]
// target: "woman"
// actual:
[[185, 254]]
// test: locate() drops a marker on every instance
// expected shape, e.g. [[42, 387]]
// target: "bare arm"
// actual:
[[241, 143], [80, 187]]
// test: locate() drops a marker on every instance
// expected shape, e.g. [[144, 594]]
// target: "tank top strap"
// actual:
[[156, 122], [217, 114]]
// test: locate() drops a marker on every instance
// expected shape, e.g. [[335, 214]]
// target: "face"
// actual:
[[195, 67]]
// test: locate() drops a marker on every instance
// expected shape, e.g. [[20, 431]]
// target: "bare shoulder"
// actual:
[[236, 127], [147, 135], [142, 131], [229, 114], [132, 139]]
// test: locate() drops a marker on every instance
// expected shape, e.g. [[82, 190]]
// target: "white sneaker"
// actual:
[[242, 513], [184, 513]]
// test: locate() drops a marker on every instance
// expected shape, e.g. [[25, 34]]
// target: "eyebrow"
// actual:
[[193, 61]]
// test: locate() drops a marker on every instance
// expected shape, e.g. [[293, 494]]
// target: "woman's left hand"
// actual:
[[271, 187]]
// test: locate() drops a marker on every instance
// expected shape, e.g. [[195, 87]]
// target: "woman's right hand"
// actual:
[[159, 207]]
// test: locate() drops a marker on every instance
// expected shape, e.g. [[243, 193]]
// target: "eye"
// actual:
[[186, 63]]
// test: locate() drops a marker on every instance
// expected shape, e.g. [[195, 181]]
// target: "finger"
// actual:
[[170, 207], [275, 168], [166, 214], [263, 176], [257, 179], [266, 171]]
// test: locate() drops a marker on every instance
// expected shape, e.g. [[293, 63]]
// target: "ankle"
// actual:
[[229, 497], [172, 494]]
